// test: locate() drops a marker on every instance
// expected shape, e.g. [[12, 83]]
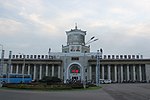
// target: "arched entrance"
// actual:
[[75, 72]]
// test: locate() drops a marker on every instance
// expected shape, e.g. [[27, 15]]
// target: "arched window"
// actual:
[[74, 68]]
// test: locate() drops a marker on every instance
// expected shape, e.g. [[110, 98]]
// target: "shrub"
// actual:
[[51, 80]]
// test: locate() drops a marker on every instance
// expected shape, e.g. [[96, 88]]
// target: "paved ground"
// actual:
[[108, 92]]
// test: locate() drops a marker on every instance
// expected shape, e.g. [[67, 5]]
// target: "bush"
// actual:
[[39, 86], [50, 80]]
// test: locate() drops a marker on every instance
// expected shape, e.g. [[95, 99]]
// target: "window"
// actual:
[[75, 68], [38, 56], [20, 56], [125, 56], [34, 56], [137, 56], [16, 56], [121, 56], [105, 56], [31, 56], [13, 56], [133, 56], [46, 56], [42, 56], [75, 58], [27, 56], [72, 48], [129, 56], [117, 56], [78, 48], [108, 56], [113, 56]]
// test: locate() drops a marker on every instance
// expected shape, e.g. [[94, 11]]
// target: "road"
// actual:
[[108, 92]]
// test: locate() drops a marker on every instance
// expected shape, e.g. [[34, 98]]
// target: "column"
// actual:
[[17, 68], [121, 73], [134, 78], [40, 72], [34, 75], [58, 71], [128, 78], [11, 68], [140, 73], [109, 76], [28, 69], [52, 70], [115, 71], [23, 66], [90, 73], [102, 71], [46, 70]]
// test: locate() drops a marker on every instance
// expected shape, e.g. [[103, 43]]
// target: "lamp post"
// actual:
[[8, 67], [23, 67], [84, 81], [1, 65], [92, 39], [99, 56]]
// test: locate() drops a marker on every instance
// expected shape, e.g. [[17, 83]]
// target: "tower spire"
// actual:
[[76, 26]]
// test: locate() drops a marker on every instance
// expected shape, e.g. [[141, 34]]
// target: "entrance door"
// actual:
[[75, 78], [75, 73]]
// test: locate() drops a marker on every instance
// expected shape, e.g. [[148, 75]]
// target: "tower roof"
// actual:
[[76, 30]]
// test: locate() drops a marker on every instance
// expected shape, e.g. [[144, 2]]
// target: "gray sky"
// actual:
[[33, 26]]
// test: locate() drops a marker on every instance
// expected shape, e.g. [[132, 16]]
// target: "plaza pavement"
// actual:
[[107, 92]]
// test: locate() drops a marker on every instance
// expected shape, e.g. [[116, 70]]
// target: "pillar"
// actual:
[[58, 71], [34, 75], [46, 70], [115, 71], [90, 73], [17, 69], [23, 66], [102, 71], [121, 73], [28, 69], [52, 70], [128, 78], [109, 76], [11, 68], [140, 73], [40, 72], [134, 77]]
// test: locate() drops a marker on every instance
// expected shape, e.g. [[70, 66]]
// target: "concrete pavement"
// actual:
[[108, 92]]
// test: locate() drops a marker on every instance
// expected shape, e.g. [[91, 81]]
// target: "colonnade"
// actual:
[[116, 73], [119, 73], [38, 71]]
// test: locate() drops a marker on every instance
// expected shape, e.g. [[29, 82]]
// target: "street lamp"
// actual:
[[9, 66], [23, 67], [91, 40], [1, 65], [84, 81], [99, 56]]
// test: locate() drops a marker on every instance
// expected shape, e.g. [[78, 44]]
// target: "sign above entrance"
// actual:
[[75, 71]]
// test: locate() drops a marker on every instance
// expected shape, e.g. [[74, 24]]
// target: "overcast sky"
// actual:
[[33, 26]]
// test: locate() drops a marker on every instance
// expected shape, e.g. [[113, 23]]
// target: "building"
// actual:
[[77, 62]]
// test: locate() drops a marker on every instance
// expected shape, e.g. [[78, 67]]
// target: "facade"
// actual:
[[77, 62]]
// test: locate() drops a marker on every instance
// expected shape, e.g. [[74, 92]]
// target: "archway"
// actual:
[[75, 72]]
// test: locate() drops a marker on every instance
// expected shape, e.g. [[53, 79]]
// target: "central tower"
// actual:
[[75, 42]]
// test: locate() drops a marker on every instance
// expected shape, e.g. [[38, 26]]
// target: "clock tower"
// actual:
[[76, 42]]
